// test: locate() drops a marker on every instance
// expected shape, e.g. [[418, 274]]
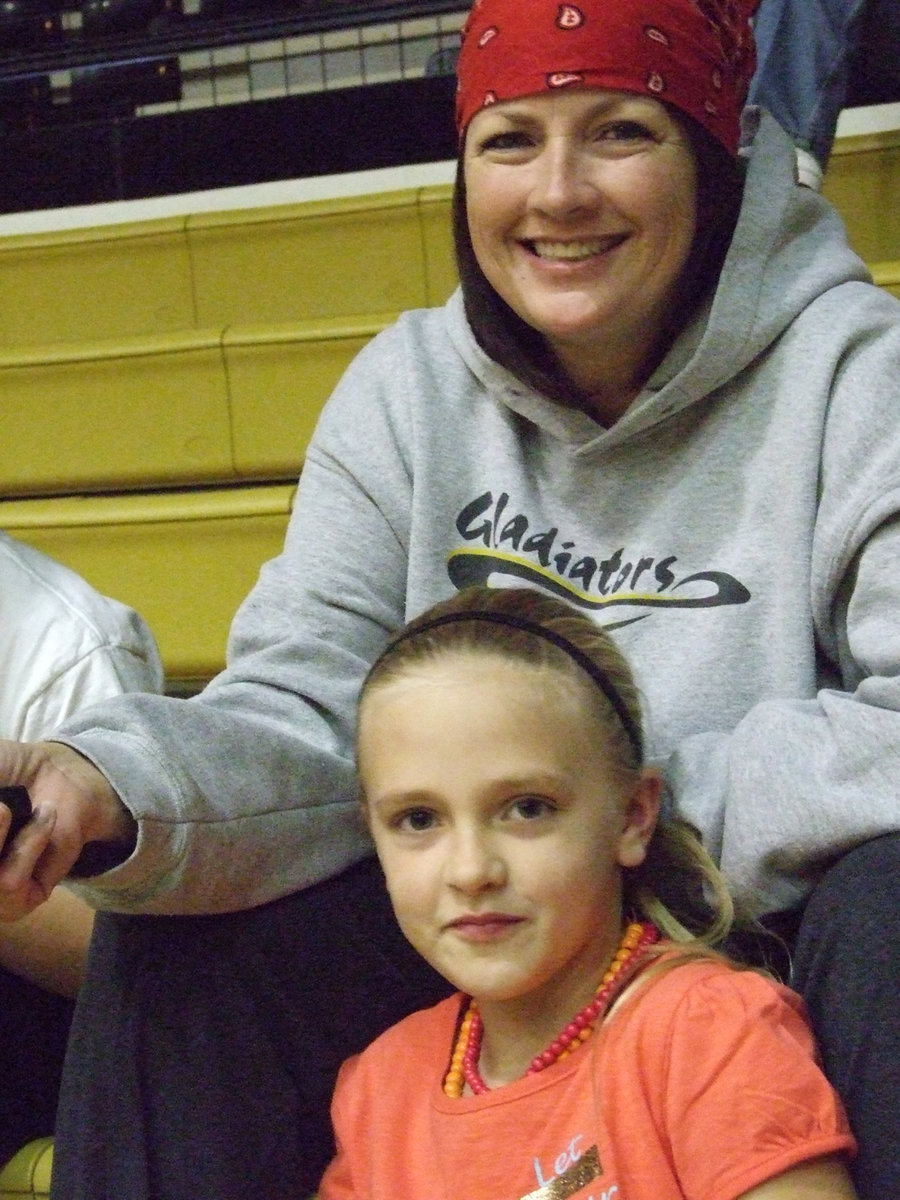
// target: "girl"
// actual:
[[599, 1046]]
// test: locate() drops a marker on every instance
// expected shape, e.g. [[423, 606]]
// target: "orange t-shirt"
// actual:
[[700, 1088]]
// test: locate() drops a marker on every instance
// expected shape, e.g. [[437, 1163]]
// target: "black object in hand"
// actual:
[[19, 802]]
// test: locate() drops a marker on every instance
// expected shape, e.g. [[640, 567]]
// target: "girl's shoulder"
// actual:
[[709, 979], [415, 1038], [704, 1000], [718, 1055]]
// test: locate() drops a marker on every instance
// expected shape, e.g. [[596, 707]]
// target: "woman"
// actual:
[[718, 486]]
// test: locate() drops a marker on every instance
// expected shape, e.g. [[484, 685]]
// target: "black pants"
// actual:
[[847, 966], [204, 1050], [34, 1025]]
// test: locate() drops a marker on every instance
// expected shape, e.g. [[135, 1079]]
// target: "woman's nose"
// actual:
[[563, 181]]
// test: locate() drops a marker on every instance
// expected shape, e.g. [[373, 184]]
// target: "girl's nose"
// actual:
[[474, 864]]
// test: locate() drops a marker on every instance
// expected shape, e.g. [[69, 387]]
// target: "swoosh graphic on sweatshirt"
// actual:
[[709, 589]]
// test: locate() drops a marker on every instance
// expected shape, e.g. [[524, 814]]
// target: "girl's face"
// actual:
[[502, 826], [581, 208]]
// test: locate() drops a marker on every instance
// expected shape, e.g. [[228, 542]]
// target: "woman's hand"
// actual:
[[72, 803]]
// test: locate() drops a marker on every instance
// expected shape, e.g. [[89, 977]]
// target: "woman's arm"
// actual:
[[256, 772], [821, 1179]]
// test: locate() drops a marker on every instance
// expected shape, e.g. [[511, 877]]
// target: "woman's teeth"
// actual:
[[570, 251]]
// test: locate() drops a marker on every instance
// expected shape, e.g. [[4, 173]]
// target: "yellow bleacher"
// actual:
[[156, 352], [863, 182], [161, 378], [161, 381]]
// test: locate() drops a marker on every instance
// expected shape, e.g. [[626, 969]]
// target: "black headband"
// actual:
[[525, 624]]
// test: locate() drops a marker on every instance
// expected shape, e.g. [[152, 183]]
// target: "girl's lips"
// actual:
[[483, 927]]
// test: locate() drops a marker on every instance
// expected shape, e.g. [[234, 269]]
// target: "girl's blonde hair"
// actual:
[[678, 887]]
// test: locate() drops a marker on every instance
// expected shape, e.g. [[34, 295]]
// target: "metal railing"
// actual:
[[187, 59], [192, 30]]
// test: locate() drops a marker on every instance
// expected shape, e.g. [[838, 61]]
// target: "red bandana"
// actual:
[[695, 54]]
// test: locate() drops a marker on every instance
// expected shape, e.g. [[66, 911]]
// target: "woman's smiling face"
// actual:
[[581, 207]]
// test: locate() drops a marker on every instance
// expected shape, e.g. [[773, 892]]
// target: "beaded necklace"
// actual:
[[636, 941]]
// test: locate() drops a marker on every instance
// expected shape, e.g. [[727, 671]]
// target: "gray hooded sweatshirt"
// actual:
[[737, 529]]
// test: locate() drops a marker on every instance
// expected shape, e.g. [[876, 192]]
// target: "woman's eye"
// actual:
[[416, 820], [510, 140], [624, 131], [530, 808]]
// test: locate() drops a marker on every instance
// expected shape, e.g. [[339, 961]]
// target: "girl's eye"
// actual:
[[530, 808], [415, 820]]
